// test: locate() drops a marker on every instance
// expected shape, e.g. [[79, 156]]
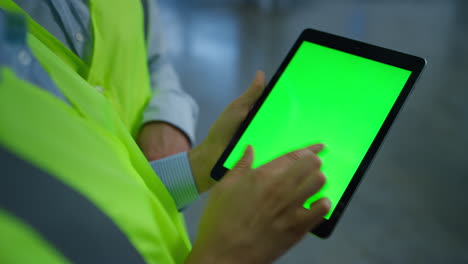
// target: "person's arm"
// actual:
[[168, 128], [169, 119], [185, 175], [256, 215]]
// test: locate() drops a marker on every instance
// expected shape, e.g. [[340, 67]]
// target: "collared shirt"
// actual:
[[174, 171]]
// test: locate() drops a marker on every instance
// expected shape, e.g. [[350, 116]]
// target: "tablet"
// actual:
[[332, 90]]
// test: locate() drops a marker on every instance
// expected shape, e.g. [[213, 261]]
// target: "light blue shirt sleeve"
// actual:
[[169, 103], [176, 174]]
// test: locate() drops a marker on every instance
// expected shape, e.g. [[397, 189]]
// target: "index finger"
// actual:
[[290, 158]]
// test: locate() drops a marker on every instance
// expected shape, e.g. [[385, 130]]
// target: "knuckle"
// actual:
[[242, 164], [295, 155], [317, 161], [321, 179], [306, 164]]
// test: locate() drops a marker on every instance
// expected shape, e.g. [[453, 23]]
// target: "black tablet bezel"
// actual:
[[365, 50]]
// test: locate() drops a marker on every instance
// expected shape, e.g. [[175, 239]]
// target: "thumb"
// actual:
[[251, 95], [245, 163]]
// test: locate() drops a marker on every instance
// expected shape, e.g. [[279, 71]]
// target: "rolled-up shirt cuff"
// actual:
[[176, 174]]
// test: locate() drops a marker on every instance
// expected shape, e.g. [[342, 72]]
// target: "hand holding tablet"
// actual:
[[331, 90], [255, 215]]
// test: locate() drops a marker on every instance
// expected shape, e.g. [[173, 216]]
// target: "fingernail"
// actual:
[[249, 147], [259, 78]]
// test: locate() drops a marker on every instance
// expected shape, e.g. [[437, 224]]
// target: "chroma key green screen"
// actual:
[[324, 96]]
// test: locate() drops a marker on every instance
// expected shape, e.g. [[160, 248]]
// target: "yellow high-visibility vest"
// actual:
[[89, 145]]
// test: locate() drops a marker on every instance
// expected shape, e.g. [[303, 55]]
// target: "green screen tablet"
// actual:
[[335, 91]]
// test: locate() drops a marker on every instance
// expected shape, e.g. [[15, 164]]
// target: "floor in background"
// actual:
[[412, 205]]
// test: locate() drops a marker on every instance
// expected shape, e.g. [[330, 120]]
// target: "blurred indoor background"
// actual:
[[412, 206]]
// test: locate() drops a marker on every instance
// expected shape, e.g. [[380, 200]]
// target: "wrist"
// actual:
[[201, 163]]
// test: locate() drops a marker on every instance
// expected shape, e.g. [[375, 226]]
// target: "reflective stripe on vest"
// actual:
[[80, 231]]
